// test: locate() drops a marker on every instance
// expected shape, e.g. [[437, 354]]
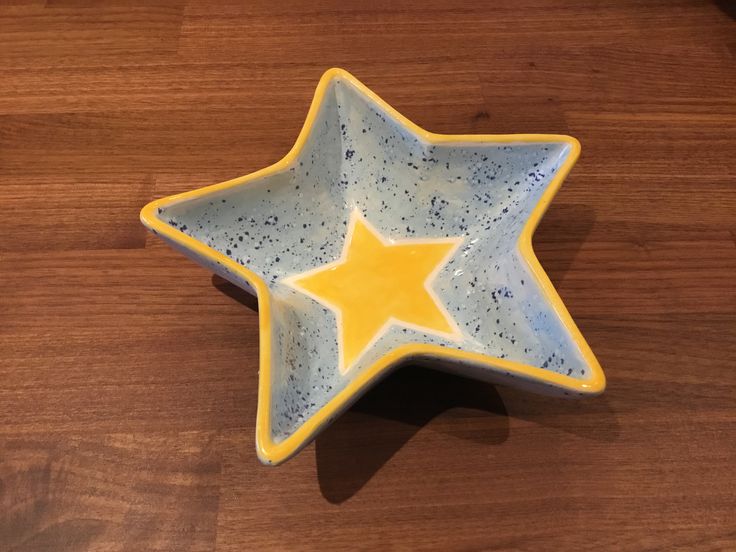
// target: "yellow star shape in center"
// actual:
[[377, 283]]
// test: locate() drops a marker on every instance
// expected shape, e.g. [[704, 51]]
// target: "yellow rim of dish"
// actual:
[[272, 452]]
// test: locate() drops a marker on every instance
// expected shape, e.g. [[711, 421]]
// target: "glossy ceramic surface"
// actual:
[[373, 242]]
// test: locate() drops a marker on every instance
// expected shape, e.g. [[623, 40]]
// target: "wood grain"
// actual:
[[129, 375]]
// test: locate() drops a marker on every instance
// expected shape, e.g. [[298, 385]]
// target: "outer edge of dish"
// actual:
[[273, 453]]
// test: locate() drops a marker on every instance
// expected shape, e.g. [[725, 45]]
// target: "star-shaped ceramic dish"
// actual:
[[374, 242]]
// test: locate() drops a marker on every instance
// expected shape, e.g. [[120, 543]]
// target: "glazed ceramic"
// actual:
[[374, 242]]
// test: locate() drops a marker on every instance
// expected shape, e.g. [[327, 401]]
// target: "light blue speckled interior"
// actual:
[[358, 156]]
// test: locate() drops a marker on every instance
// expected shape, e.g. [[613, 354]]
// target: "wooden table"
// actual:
[[128, 376]]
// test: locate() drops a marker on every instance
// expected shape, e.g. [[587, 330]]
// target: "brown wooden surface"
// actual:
[[128, 376]]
